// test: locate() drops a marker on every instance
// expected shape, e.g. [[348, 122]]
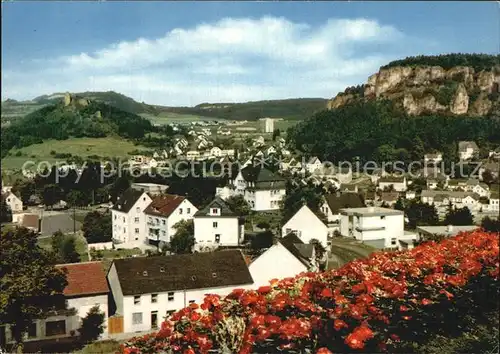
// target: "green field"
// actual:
[[105, 147]]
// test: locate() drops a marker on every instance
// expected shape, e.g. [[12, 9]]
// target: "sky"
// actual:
[[187, 53]]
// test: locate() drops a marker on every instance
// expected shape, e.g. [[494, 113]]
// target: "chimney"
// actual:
[[449, 228]]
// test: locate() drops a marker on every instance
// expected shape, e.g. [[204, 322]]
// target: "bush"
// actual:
[[384, 303]]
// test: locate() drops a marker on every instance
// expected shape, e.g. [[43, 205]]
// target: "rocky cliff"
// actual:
[[421, 89]]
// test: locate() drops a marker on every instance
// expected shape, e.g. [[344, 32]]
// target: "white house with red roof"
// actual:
[[141, 219], [163, 213], [87, 287]]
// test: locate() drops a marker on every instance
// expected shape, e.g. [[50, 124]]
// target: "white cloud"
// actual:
[[232, 60]]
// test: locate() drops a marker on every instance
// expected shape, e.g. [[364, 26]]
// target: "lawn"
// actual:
[[110, 147], [169, 117], [103, 347], [344, 251]]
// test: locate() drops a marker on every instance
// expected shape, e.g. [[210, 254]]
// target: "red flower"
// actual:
[[326, 292], [339, 324], [264, 289], [356, 340], [189, 351], [324, 351], [403, 308], [448, 294], [426, 302], [394, 337]]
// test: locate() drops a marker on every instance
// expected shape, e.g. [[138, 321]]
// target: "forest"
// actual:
[[378, 131], [447, 61]]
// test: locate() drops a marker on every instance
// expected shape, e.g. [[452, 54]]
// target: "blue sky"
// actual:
[[187, 53]]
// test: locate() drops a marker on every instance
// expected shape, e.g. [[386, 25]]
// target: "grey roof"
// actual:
[[296, 247], [217, 203], [59, 222], [392, 179], [448, 194], [262, 178], [344, 200], [445, 230], [370, 211], [146, 275], [379, 243], [127, 200]]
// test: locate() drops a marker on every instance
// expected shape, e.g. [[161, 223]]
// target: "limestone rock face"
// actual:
[[481, 106], [431, 89], [460, 103]]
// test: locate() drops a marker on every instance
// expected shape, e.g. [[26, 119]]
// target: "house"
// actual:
[[492, 167], [348, 188], [147, 289], [215, 152], [467, 150], [494, 154], [313, 164], [447, 231], [259, 141], [14, 203], [216, 225], [163, 213], [389, 198], [433, 159], [378, 227], [270, 150], [410, 195], [473, 185], [334, 202], [31, 222], [397, 182], [287, 258], [261, 188], [150, 188], [307, 226], [458, 199], [228, 152], [87, 287], [192, 155], [494, 204], [128, 218]]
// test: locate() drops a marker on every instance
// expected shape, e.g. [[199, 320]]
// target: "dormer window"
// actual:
[[215, 211]]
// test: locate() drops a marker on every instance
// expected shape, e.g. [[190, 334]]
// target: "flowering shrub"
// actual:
[[370, 305]]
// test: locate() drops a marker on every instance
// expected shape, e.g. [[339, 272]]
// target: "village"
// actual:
[[138, 279]]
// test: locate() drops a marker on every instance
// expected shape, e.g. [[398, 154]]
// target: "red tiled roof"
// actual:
[[85, 278], [164, 205], [30, 221]]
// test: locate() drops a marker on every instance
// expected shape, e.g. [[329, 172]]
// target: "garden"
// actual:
[[438, 297]]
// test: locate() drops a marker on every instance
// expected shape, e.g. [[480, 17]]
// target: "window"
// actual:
[[170, 296], [188, 210], [124, 230], [217, 238], [137, 210], [170, 313], [136, 220], [288, 231], [180, 210], [55, 328], [163, 233], [136, 230], [137, 300], [144, 198], [137, 318], [157, 221], [163, 221], [150, 219], [32, 330], [123, 219], [191, 301], [154, 298], [115, 217], [394, 241], [382, 217], [215, 224]]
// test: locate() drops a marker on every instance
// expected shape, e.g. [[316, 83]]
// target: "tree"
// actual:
[[490, 225], [297, 196], [461, 216], [399, 204], [276, 133], [264, 239], [183, 239], [92, 325], [51, 194], [238, 205], [419, 213], [97, 227], [5, 212], [64, 248], [30, 284], [25, 189], [488, 177], [76, 198]]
